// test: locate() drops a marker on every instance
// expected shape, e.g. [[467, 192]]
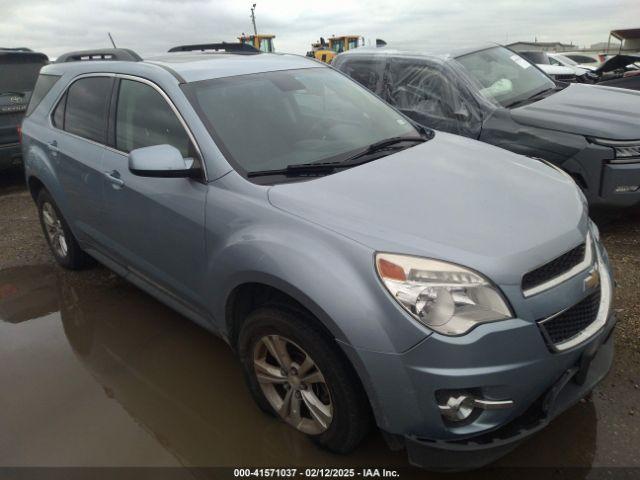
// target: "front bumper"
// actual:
[[10, 155], [603, 182], [617, 179], [573, 384], [509, 360]]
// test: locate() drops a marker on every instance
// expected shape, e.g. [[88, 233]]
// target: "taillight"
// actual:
[[20, 133]]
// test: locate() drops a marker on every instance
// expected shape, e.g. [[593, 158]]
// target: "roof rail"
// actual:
[[16, 49], [118, 54], [227, 47]]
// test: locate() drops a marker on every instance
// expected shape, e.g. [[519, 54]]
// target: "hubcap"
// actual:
[[293, 384], [53, 229]]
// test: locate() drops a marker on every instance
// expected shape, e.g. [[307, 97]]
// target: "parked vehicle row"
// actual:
[[19, 67], [492, 94], [364, 267]]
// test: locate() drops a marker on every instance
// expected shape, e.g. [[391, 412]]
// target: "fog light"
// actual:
[[459, 407], [627, 188]]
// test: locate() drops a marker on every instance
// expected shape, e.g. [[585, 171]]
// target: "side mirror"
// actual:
[[163, 161]]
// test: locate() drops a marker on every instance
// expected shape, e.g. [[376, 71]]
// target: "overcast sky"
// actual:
[[152, 26]]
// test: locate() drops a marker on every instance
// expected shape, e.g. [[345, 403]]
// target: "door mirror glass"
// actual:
[[160, 161]]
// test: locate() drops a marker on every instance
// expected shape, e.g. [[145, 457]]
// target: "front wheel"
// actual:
[[297, 373]]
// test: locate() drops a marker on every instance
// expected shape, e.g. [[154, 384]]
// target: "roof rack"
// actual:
[[117, 54], [243, 48], [16, 49]]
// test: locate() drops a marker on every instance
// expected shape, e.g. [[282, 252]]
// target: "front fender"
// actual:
[[332, 276]]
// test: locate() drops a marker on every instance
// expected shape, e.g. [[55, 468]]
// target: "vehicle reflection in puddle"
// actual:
[[71, 344]]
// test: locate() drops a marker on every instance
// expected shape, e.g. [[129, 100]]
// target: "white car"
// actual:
[[557, 72], [564, 61], [585, 59]]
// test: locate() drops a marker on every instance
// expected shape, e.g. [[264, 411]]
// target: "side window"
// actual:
[[430, 94], [144, 119], [367, 72], [58, 113], [87, 108], [44, 84]]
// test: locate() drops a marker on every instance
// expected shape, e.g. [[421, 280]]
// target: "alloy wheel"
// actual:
[[293, 384], [54, 230]]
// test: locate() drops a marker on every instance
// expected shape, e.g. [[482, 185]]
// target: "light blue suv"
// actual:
[[363, 268]]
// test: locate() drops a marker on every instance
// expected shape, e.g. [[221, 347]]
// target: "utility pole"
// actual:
[[253, 19]]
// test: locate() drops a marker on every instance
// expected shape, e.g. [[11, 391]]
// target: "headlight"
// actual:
[[625, 151], [447, 298]]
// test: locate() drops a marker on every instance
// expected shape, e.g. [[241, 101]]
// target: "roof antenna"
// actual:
[[111, 38]]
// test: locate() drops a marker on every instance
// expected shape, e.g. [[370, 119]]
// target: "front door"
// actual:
[[156, 225]]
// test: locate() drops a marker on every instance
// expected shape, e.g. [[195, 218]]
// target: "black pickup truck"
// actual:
[[19, 69]]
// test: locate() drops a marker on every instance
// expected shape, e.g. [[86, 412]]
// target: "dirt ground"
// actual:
[[95, 372]]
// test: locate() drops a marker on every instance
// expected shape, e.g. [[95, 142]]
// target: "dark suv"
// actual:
[[19, 67], [494, 95]]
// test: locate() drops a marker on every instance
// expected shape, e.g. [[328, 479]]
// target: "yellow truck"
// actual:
[[262, 42], [326, 51]]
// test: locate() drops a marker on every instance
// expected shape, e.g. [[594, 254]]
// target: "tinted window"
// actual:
[[368, 72], [20, 71], [58, 113], [43, 85], [88, 107], [582, 59], [145, 119], [539, 58]]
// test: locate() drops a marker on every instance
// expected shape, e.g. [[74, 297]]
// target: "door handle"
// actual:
[[53, 147], [114, 178]]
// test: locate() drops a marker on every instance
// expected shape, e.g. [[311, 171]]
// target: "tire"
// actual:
[[67, 253], [340, 388]]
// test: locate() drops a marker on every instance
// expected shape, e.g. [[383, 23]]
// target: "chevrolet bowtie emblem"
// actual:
[[592, 280]]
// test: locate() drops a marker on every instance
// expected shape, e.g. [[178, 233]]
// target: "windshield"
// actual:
[[504, 77], [268, 121], [539, 58], [565, 60], [19, 74], [337, 45], [266, 45]]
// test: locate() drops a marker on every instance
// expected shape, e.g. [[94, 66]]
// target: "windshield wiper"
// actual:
[[325, 168], [530, 98], [299, 169], [378, 147]]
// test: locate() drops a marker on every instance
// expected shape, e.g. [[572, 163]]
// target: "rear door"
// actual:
[[156, 225], [77, 148]]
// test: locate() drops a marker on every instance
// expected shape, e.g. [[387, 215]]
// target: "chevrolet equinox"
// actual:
[[365, 269]]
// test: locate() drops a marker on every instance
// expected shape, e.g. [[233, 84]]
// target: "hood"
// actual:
[[453, 199], [588, 110], [556, 69], [617, 62]]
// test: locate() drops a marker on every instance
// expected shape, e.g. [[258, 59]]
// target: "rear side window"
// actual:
[[58, 113], [87, 107], [144, 119], [368, 72], [44, 84]]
